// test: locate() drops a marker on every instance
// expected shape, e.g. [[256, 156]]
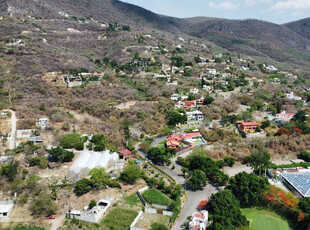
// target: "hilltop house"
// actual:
[[124, 153], [195, 116], [187, 140], [250, 130], [185, 104], [175, 97], [207, 87], [283, 117], [293, 96], [194, 91], [271, 68], [212, 71], [42, 122]]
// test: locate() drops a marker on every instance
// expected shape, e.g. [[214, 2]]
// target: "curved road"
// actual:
[[193, 197]]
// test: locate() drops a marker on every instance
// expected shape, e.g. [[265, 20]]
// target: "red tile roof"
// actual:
[[125, 152], [249, 123], [191, 135]]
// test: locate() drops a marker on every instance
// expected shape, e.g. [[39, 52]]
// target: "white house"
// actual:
[[207, 87], [199, 221], [194, 91], [293, 96], [6, 208], [212, 71], [90, 215], [195, 115], [271, 68], [42, 122], [184, 97], [175, 97]]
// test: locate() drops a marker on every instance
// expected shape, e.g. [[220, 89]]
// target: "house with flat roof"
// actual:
[[6, 207], [90, 215]]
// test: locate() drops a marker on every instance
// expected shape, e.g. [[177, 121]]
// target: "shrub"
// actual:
[[72, 140], [305, 156], [92, 204], [61, 155], [158, 226], [82, 187]]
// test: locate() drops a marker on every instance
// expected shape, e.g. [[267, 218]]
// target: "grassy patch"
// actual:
[[265, 220], [153, 196], [132, 199], [119, 219]]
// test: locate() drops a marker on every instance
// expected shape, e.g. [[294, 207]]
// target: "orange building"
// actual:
[[248, 127]]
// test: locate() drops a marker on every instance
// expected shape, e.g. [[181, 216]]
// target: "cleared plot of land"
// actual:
[[119, 219], [146, 220], [153, 196], [265, 220]]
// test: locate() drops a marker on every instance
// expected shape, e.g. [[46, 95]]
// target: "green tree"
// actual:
[[304, 205], [61, 155], [174, 117], [92, 204], [73, 140], [208, 100], [82, 187], [10, 170], [248, 188], [259, 160], [17, 185], [229, 161], [99, 178], [300, 116], [191, 96], [131, 173], [43, 205], [197, 179], [32, 181], [224, 211]]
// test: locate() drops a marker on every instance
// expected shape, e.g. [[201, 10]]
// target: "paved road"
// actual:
[[12, 138], [193, 197]]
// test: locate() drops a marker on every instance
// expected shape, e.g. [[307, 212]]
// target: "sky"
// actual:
[[276, 11]]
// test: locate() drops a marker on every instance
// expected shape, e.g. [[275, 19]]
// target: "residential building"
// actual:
[[200, 101], [207, 87], [6, 159], [212, 71], [221, 82], [6, 207], [194, 91], [90, 215], [248, 127], [293, 96], [195, 116], [124, 153], [283, 117], [185, 104], [187, 140], [42, 122], [271, 68], [199, 221], [4, 112], [175, 97]]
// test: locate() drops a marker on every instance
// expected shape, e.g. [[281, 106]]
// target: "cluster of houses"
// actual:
[[82, 78], [185, 141], [199, 221]]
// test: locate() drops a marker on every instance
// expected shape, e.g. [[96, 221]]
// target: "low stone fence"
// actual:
[[139, 193], [158, 212]]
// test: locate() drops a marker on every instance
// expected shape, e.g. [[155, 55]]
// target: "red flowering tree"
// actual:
[[203, 205]]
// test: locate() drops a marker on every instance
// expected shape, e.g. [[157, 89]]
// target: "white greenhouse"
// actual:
[[87, 161]]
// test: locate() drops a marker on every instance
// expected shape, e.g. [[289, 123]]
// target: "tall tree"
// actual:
[[197, 179], [224, 211], [259, 160], [247, 188]]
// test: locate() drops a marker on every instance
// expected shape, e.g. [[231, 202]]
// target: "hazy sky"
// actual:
[[277, 11]]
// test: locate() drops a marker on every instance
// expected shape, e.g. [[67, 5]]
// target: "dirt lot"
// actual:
[[146, 220]]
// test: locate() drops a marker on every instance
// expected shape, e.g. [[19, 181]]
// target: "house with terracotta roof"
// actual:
[[187, 140], [199, 221], [124, 153], [250, 130], [283, 117]]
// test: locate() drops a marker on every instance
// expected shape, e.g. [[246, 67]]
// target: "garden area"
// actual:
[[261, 219], [154, 196], [119, 219]]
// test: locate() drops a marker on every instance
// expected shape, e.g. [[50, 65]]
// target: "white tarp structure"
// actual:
[[87, 161]]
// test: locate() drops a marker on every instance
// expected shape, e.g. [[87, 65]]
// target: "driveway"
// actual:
[[12, 138]]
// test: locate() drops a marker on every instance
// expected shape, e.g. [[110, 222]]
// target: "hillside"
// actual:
[[302, 27]]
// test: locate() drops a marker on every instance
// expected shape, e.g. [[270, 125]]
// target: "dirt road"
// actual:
[[12, 138]]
